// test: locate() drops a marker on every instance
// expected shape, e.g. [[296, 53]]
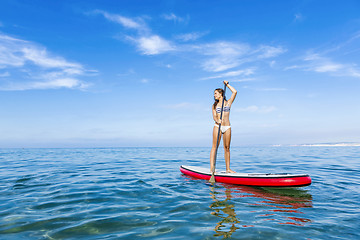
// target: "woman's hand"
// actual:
[[226, 82]]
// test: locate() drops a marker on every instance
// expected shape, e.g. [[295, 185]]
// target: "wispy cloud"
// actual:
[[269, 51], [41, 85], [345, 44], [36, 67], [224, 55], [146, 42], [175, 18], [237, 73], [298, 17], [5, 74], [152, 45], [128, 73], [131, 23], [328, 67], [40, 57], [321, 64], [215, 57], [144, 80], [317, 63], [325, 60], [186, 37], [243, 79]]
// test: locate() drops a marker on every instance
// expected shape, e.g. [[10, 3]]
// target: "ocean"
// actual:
[[139, 193]]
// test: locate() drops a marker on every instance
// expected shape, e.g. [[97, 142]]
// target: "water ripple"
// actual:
[[137, 193]]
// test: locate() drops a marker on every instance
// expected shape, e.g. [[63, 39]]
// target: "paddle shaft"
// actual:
[[212, 179]]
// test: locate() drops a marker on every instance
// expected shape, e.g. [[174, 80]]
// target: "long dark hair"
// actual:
[[221, 91]]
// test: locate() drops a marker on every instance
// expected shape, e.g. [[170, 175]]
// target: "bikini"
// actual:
[[226, 109], [218, 110]]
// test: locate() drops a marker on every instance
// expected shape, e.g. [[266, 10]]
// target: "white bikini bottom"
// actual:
[[223, 128]]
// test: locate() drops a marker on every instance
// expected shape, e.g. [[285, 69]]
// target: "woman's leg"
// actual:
[[227, 140], [213, 149]]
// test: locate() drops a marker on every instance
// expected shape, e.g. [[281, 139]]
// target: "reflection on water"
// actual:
[[279, 205], [226, 212]]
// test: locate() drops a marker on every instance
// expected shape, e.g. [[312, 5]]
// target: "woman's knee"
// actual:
[[213, 148]]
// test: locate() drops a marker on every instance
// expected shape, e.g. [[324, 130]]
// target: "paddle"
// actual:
[[212, 178]]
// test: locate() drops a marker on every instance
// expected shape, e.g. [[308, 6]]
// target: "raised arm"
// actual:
[[233, 92]]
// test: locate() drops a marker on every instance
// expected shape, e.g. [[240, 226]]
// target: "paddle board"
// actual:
[[250, 179]]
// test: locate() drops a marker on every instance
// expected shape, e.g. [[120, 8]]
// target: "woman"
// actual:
[[225, 130]]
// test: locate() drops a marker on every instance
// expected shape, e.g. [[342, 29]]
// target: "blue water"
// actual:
[[139, 193]]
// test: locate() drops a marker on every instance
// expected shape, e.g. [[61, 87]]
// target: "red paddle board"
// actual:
[[250, 179]]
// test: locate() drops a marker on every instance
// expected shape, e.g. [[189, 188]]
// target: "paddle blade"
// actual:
[[212, 179]]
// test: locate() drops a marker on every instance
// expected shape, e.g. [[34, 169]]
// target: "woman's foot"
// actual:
[[230, 171]]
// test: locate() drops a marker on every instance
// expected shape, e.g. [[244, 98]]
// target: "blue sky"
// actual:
[[142, 73]]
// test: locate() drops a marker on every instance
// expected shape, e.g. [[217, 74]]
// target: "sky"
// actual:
[[130, 73]]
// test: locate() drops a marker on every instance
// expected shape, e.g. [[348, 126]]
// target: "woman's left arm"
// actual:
[[233, 91]]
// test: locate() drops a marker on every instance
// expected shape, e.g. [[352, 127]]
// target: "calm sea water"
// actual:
[[139, 193]]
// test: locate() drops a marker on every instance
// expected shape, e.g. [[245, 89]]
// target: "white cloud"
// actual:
[[137, 24], [320, 64], [354, 72], [227, 55], [146, 42], [325, 60], [272, 63], [219, 64], [5, 74], [347, 46], [190, 36], [173, 17], [327, 67], [49, 84], [293, 67], [41, 58], [59, 83], [244, 72], [10, 54], [216, 57], [270, 51], [35, 68], [312, 57], [223, 55], [243, 80], [153, 45], [298, 17]]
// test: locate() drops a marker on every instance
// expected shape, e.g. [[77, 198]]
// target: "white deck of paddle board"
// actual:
[[224, 173]]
